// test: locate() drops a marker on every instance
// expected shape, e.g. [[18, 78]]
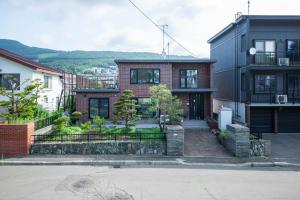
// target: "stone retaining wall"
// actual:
[[260, 147], [238, 142], [147, 147]]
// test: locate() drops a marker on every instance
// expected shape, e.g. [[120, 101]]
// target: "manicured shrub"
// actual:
[[62, 122], [99, 122], [85, 126]]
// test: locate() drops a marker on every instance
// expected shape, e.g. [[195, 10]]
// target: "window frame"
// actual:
[[243, 43], [49, 84], [137, 103], [185, 79], [265, 74], [265, 40], [19, 80], [98, 99], [137, 75]]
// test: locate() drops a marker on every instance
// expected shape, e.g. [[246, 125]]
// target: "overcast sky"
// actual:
[[116, 25]]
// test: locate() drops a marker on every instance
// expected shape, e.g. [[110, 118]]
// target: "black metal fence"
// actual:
[[92, 137], [38, 124], [293, 96]]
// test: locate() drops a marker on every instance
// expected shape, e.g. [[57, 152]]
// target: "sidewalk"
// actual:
[[149, 161]]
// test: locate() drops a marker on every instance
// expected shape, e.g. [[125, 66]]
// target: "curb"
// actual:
[[119, 163]]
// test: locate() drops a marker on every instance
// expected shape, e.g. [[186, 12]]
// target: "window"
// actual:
[[265, 52], [46, 99], [264, 83], [293, 51], [265, 46], [243, 43], [143, 108], [9, 81], [243, 82], [48, 82], [144, 76], [99, 107], [293, 82], [188, 78]]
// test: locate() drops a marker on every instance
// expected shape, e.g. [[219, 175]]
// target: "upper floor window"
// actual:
[[243, 43], [293, 51], [47, 82], [144, 76], [188, 78], [264, 83], [10, 81], [265, 52]]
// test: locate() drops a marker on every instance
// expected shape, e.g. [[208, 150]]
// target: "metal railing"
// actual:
[[41, 123], [92, 137], [92, 82], [271, 58], [293, 96]]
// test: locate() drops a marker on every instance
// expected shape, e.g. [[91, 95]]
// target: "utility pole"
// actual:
[[163, 41]]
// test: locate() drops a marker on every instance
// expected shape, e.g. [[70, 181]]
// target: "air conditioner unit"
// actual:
[[283, 61], [281, 99]]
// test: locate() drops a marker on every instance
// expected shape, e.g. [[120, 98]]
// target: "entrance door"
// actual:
[[197, 106]]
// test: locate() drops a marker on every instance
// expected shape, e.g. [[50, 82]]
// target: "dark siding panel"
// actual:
[[261, 120], [289, 120]]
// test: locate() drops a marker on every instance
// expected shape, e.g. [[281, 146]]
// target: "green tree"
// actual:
[[126, 109], [62, 122], [99, 121], [21, 103], [162, 102]]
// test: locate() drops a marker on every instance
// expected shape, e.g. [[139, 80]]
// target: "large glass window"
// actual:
[[144, 76], [293, 51], [143, 107], [293, 83], [9, 81], [99, 107], [188, 78], [264, 83]]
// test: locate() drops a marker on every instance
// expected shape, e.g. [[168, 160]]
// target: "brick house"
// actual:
[[190, 80]]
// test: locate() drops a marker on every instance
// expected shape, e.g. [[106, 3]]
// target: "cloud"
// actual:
[[117, 25]]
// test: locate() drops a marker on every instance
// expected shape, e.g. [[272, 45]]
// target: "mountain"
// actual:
[[76, 61]]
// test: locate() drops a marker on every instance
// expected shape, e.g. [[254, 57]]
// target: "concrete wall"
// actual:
[[147, 147], [15, 139]]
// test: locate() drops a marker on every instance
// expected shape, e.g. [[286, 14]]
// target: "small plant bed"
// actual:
[[76, 134]]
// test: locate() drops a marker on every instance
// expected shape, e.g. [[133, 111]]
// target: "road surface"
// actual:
[[103, 183]]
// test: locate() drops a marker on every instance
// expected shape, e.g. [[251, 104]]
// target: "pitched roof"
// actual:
[[165, 61], [28, 63]]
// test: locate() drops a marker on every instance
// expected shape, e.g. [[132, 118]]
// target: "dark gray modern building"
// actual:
[[257, 72]]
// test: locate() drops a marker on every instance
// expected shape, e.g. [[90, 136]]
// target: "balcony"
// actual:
[[89, 83], [272, 58], [293, 96]]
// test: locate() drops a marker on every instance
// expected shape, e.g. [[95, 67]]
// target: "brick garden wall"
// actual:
[[15, 139]]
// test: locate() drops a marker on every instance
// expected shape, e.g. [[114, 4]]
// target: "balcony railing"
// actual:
[[272, 58], [293, 96], [97, 82]]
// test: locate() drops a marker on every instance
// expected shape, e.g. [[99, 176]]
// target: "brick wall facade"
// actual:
[[169, 75], [204, 78], [15, 139], [142, 90]]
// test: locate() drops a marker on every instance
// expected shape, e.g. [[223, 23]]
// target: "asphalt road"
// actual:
[[103, 183]]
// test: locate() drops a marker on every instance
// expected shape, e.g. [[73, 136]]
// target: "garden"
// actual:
[[22, 107]]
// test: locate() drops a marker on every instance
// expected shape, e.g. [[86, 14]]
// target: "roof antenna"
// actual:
[[248, 7]]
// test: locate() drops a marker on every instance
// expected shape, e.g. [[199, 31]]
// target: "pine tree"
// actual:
[[125, 109]]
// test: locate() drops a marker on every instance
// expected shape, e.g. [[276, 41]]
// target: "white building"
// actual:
[[24, 70]]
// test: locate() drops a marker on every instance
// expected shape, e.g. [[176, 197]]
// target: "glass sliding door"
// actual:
[[99, 107]]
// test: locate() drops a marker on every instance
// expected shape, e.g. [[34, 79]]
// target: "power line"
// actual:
[[160, 28]]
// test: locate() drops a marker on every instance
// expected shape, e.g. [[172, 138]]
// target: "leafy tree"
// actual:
[[62, 122], [162, 102], [75, 116], [20, 103], [99, 121], [126, 109]]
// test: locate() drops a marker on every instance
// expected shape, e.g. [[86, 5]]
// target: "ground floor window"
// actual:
[[143, 107], [9, 81], [99, 107]]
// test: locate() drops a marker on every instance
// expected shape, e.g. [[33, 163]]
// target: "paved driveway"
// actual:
[[202, 143], [284, 145]]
